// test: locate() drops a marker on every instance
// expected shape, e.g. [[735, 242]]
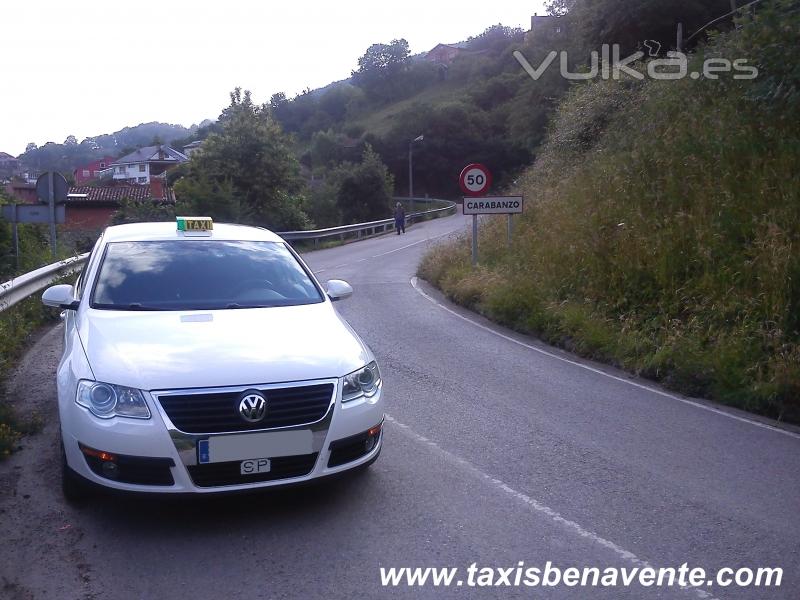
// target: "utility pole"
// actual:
[[51, 200], [419, 138]]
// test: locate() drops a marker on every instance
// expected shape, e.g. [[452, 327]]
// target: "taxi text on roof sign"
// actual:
[[199, 225]]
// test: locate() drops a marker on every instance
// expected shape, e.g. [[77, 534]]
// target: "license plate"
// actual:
[[255, 465], [250, 446]]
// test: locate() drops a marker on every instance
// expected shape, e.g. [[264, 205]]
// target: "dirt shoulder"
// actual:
[[40, 557]]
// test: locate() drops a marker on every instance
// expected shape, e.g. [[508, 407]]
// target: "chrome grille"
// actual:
[[212, 411]]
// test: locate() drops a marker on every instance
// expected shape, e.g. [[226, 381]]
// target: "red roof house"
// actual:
[[444, 54], [91, 208]]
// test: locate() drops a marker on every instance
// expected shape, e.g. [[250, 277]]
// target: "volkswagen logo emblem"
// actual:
[[252, 406]]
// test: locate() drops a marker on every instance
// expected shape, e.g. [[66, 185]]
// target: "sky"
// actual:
[[88, 67]]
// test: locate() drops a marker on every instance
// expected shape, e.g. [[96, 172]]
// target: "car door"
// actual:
[[81, 284]]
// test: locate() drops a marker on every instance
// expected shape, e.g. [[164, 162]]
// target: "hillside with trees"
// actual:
[[481, 108], [70, 154], [662, 227]]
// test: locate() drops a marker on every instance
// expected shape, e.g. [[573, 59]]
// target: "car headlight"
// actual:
[[363, 383], [106, 400]]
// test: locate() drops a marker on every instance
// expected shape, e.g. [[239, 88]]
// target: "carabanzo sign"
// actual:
[[493, 205]]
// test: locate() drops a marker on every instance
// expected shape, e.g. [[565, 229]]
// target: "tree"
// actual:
[[138, 211], [249, 163], [379, 68], [219, 200], [31, 147], [495, 38], [629, 23], [71, 141], [335, 101], [329, 149], [364, 191]]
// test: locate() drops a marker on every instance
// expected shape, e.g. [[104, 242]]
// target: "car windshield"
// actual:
[[201, 275]]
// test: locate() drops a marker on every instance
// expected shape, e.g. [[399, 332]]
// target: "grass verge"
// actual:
[[17, 326]]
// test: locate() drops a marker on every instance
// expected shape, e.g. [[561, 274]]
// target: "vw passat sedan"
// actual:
[[202, 358]]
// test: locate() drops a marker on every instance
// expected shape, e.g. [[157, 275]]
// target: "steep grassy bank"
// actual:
[[663, 228]]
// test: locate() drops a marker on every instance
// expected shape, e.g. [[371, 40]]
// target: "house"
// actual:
[[22, 191], [90, 172], [9, 166], [547, 25], [193, 147], [142, 166], [445, 54], [89, 208]]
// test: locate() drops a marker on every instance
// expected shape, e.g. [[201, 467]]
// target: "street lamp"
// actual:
[[419, 138]]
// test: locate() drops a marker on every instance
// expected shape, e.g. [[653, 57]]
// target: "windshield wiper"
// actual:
[[235, 305], [140, 306]]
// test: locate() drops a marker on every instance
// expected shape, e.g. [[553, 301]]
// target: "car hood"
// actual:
[[170, 350]]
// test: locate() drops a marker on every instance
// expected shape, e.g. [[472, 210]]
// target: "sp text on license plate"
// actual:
[[255, 465]]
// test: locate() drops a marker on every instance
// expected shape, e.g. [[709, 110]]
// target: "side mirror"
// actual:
[[60, 296], [338, 290]]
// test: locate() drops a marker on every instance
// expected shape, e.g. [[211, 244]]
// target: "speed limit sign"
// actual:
[[475, 180]]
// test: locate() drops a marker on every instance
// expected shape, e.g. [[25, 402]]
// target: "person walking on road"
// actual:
[[399, 218]]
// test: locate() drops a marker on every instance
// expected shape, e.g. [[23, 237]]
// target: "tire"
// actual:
[[74, 488]]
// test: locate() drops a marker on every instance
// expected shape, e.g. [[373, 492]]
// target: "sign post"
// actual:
[[30, 213], [15, 234], [52, 188], [51, 202], [475, 180]]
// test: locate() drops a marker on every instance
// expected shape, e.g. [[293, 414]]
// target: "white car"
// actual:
[[204, 358]]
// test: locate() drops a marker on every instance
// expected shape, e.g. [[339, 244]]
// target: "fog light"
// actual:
[[372, 438], [107, 456], [110, 470]]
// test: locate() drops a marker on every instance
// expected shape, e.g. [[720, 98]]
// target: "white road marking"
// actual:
[[407, 246], [535, 505], [603, 373]]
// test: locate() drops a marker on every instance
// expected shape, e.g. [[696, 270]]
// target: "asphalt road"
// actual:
[[498, 449]]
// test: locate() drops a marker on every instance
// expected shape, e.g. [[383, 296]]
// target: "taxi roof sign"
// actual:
[[195, 225]]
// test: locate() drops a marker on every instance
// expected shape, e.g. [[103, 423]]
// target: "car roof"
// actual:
[[167, 230]]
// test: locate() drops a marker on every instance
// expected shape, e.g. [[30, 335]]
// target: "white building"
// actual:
[[144, 164]]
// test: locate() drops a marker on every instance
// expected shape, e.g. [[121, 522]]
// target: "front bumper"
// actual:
[[158, 438]]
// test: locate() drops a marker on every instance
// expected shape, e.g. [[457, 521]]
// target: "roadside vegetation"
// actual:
[[662, 228], [17, 325]]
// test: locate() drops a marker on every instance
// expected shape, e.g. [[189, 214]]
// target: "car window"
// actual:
[[87, 268], [197, 275]]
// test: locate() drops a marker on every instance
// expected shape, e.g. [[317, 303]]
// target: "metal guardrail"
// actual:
[[373, 227], [28, 284], [19, 288]]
